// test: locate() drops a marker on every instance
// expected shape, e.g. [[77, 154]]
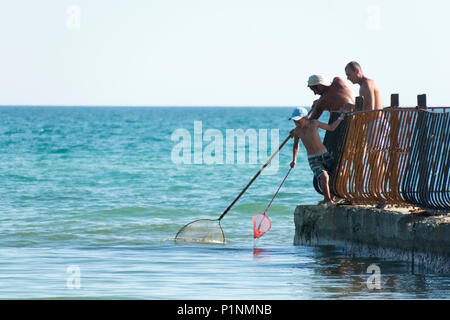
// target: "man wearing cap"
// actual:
[[334, 96], [318, 157]]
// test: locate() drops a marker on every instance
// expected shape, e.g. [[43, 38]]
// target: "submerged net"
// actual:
[[203, 231], [261, 224], [210, 231]]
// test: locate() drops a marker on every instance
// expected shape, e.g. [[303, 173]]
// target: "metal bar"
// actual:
[[398, 155]]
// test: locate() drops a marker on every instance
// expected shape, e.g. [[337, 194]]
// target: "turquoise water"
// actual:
[[97, 190]]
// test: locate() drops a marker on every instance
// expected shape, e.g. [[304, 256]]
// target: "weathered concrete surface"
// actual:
[[421, 239]]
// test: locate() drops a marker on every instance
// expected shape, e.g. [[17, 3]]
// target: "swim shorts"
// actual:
[[320, 163]]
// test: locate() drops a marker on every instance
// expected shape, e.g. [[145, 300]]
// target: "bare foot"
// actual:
[[328, 203], [325, 201], [382, 205], [342, 202]]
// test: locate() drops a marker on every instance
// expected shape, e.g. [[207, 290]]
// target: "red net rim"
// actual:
[[261, 224]]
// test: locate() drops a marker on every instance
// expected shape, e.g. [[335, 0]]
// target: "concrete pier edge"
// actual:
[[395, 233]]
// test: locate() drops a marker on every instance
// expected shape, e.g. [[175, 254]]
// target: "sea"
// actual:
[[91, 199]]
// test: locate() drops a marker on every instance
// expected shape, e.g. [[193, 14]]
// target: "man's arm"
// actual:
[[312, 107], [332, 126], [316, 110]]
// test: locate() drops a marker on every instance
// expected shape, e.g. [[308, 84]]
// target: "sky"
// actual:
[[217, 52]]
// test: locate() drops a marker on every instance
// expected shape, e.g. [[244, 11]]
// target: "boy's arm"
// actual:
[[332, 126], [295, 148]]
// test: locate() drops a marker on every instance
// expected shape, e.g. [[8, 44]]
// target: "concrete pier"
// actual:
[[423, 239]]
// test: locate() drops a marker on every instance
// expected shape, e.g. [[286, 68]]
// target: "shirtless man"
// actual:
[[376, 142], [334, 96], [318, 157], [368, 89]]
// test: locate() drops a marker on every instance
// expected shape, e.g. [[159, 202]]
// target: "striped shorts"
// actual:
[[320, 163]]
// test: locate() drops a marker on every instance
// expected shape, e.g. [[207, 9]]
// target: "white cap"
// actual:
[[298, 113], [316, 79]]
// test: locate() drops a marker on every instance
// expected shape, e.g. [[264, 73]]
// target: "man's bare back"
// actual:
[[335, 97], [368, 88], [371, 93]]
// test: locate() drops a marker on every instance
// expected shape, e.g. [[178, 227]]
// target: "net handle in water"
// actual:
[[277, 190], [254, 178], [257, 230]]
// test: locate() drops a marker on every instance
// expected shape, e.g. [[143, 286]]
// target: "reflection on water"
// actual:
[[192, 271], [350, 277], [260, 254]]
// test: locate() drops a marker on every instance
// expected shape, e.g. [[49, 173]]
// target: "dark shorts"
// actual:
[[320, 163]]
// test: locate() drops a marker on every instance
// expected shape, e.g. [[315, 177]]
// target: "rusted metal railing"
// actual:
[[394, 155], [373, 157], [426, 181]]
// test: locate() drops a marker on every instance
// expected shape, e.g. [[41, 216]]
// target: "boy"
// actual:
[[318, 156]]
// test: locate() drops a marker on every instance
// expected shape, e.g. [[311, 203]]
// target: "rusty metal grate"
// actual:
[[395, 155]]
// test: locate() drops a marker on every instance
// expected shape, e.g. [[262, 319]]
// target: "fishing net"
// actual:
[[210, 231], [261, 224], [202, 231]]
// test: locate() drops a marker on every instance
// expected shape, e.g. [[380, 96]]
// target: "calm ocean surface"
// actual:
[[91, 199]]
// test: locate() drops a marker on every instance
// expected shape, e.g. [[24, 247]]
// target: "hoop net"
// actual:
[[261, 224], [202, 231]]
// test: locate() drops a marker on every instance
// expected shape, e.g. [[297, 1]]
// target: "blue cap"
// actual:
[[298, 113]]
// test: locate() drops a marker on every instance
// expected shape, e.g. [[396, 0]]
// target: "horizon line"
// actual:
[[152, 106]]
